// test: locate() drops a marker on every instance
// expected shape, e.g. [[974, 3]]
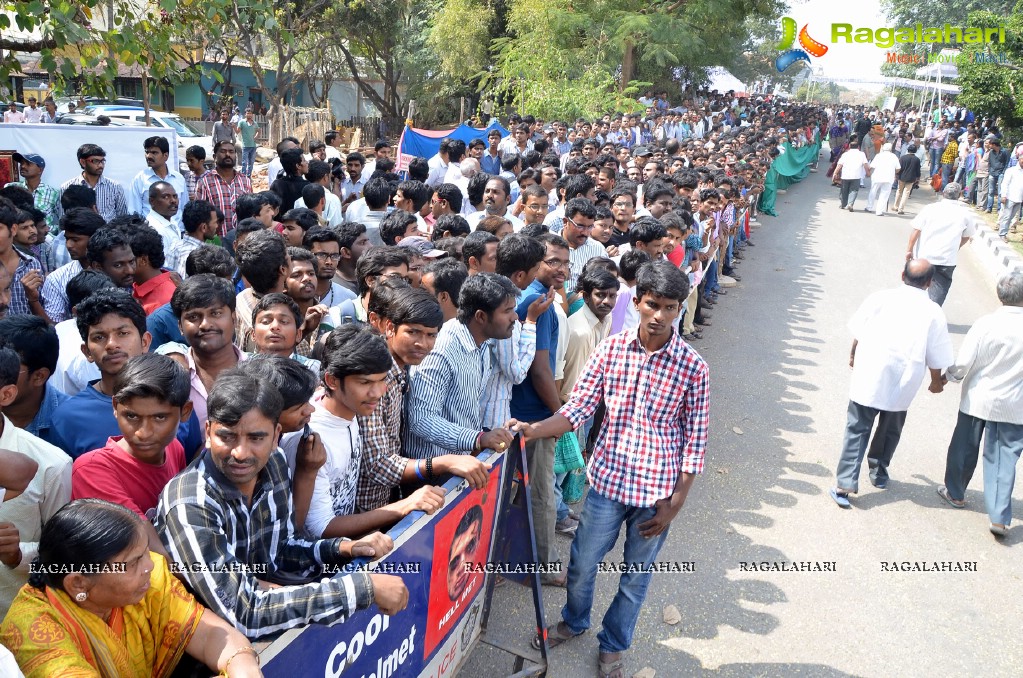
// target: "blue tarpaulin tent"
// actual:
[[425, 143]]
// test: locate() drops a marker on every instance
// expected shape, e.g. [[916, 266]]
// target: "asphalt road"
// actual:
[[778, 352]]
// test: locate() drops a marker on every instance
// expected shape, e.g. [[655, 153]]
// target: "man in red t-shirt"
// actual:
[[150, 400]]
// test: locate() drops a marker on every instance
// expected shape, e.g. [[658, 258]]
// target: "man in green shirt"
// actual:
[[248, 130]]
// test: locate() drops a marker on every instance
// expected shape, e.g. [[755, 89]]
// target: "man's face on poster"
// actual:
[[463, 552]]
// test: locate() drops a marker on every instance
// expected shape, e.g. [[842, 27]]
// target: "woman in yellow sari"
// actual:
[[99, 603]]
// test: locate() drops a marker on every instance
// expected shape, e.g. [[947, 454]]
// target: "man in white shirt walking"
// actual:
[[851, 169], [990, 367], [884, 167], [1011, 195], [939, 232], [898, 335]]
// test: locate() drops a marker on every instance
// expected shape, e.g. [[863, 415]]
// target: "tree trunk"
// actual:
[[627, 66]]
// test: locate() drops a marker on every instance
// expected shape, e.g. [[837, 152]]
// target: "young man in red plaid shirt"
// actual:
[[656, 389]]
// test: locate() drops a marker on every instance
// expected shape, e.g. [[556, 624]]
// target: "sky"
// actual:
[[842, 60]]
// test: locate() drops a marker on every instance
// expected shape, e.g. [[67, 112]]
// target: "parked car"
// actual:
[[86, 119], [187, 135]]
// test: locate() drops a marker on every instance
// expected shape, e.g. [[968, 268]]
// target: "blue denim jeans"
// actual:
[[1002, 446], [559, 500], [602, 520], [935, 156], [712, 277], [248, 160], [992, 192]]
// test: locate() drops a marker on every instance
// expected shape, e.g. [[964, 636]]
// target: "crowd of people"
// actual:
[[227, 392], [901, 335], [892, 148]]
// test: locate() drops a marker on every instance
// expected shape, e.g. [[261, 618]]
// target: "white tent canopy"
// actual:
[[723, 81]]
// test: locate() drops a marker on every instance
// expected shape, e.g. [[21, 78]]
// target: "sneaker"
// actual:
[[841, 498], [566, 526]]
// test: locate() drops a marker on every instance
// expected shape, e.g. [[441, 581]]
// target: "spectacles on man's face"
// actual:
[[554, 262], [327, 256]]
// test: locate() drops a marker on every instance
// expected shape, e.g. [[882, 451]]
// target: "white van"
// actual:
[[187, 135]]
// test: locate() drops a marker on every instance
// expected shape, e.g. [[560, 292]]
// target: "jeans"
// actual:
[[561, 508], [940, 284], [946, 174], [1010, 211], [963, 452], [1002, 446], [712, 277], [882, 447], [850, 189], [935, 155], [602, 519], [992, 191], [248, 160]]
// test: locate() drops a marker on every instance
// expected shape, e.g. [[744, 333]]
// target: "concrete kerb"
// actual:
[[1000, 257]]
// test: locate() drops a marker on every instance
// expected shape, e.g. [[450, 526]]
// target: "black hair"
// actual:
[[630, 262], [454, 225], [377, 193], [10, 366], [195, 214], [202, 291], [77, 195], [268, 301], [484, 292], [317, 170], [452, 195], [290, 161], [197, 152], [577, 186], [452, 245], [236, 393], [157, 142], [505, 185], [146, 242], [414, 307], [509, 161], [456, 150], [34, 340], [534, 230], [416, 191], [394, 226], [580, 206], [312, 194], [920, 281], [90, 150], [623, 191], [419, 169], [126, 223], [348, 232], [85, 532], [474, 189], [293, 380], [152, 375], [386, 292], [596, 278], [663, 279], [260, 258], [85, 283], [519, 252], [646, 230], [250, 204], [81, 221], [303, 216], [19, 195], [448, 276], [246, 226], [316, 145], [104, 302], [492, 224], [655, 189], [355, 155], [302, 254], [210, 259], [314, 235], [554, 240], [373, 262], [102, 241], [355, 349], [475, 245]]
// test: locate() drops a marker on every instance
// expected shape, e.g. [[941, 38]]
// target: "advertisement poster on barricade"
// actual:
[[441, 559]]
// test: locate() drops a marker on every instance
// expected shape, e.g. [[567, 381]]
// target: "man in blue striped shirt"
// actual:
[[443, 406]]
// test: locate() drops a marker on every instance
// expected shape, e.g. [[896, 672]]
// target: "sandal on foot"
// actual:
[[611, 669], [555, 636], [943, 493], [999, 530]]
